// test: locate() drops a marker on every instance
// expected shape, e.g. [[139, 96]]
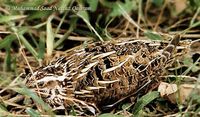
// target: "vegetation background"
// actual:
[[32, 32]]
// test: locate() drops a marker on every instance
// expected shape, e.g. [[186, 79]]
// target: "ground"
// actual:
[[32, 33]]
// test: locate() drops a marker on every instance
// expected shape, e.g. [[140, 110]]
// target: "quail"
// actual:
[[102, 73]]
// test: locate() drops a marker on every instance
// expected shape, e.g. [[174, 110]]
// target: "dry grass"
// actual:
[[29, 39]]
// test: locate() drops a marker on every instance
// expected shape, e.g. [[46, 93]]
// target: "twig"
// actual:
[[160, 15], [22, 52], [126, 15]]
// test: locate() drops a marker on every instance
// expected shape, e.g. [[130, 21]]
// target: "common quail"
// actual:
[[102, 73]]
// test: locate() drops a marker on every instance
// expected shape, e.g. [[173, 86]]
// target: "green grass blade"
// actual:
[[24, 4], [4, 19], [152, 35], [28, 46], [127, 7], [109, 115], [63, 5], [41, 47], [36, 3], [39, 25], [3, 112], [123, 11], [73, 23], [7, 61], [85, 17], [158, 3], [93, 4], [32, 112], [144, 100], [3, 108], [33, 39], [61, 22], [7, 41], [39, 14], [84, 32], [28, 92]]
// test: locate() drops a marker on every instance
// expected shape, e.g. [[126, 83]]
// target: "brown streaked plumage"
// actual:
[[102, 73]]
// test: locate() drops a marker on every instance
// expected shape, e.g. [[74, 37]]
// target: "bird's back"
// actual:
[[101, 73]]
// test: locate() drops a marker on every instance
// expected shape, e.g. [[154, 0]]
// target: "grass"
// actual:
[[31, 38]]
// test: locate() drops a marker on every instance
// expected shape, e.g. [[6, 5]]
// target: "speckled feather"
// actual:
[[102, 73]]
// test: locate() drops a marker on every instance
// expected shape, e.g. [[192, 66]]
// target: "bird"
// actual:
[[103, 73]]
